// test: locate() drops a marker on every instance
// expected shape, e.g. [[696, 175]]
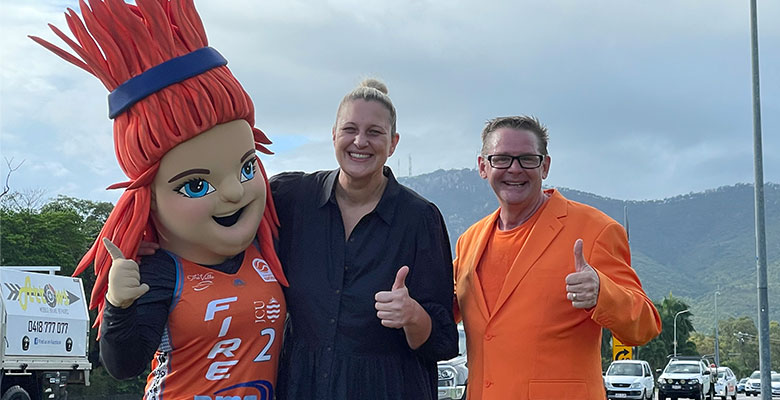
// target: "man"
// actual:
[[537, 279]]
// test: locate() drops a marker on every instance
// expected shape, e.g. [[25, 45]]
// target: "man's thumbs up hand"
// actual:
[[582, 285], [124, 278]]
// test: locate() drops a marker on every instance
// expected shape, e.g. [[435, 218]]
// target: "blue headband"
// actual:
[[161, 76]]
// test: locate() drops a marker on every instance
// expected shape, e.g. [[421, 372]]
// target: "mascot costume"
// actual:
[[208, 309]]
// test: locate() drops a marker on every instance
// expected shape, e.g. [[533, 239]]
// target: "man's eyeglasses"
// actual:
[[528, 161]]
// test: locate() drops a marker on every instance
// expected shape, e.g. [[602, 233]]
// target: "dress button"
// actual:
[[338, 291], [333, 320], [328, 348], [488, 337], [346, 268], [325, 375], [488, 384]]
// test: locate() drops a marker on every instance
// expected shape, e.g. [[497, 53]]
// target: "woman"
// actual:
[[183, 134], [370, 269]]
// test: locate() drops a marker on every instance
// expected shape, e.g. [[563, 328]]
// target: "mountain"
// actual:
[[688, 245]]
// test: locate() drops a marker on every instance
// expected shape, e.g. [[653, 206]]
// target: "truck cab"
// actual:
[[45, 332]]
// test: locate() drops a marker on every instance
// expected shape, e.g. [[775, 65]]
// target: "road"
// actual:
[[741, 396]]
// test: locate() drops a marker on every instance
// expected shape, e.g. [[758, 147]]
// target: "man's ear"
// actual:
[[545, 166], [482, 165]]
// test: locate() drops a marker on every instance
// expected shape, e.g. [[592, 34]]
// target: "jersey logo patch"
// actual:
[[265, 391], [204, 281], [263, 270], [273, 309]]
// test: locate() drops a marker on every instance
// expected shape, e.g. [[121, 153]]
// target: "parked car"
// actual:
[[753, 384], [775, 385], [725, 383], [741, 385], [687, 378], [453, 373], [629, 379]]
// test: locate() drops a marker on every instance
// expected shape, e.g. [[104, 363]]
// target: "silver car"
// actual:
[[453, 373]]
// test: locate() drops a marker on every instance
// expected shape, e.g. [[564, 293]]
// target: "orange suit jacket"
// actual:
[[536, 345]]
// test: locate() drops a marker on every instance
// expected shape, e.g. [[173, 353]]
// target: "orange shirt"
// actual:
[[223, 336], [500, 253]]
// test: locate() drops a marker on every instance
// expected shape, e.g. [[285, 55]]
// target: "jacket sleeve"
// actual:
[[623, 307], [431, 285], [129, 337]]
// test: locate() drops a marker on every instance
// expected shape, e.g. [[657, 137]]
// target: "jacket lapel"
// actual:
[[542, 234], [481, 242]]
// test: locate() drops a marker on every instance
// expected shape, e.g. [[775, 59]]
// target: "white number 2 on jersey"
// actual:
[[264, 356]]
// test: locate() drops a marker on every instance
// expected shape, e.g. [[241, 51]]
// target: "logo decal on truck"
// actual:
[[48, 295]]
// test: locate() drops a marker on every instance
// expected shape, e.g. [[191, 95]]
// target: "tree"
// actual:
[[11, 169], [738, 346], [657, 351], [33, 238]]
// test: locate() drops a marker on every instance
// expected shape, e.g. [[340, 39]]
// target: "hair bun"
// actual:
[[375, 84]]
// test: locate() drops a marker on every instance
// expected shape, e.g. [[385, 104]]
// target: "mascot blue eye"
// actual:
[[195, 188], [248, 170]]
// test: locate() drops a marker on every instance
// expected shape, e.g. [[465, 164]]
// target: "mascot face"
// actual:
[[208, 196]]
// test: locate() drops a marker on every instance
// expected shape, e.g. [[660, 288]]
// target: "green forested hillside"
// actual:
[[688, 245]]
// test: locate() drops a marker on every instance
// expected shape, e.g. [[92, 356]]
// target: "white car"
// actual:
[[775, 384], [753, 384], [687, 378], [726, 383], [454, 373], [629, 379]]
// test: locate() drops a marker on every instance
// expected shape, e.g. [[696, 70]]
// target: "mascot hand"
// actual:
[[124, 279]]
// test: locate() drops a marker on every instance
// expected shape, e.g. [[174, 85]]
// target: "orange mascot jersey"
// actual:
[[223, 336]]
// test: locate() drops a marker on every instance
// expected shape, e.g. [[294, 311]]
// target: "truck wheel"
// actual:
[[16, 393]]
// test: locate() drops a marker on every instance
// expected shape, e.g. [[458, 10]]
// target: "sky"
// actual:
[[643, 99]]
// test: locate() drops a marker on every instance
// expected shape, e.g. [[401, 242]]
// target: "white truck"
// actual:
[[45, 330]]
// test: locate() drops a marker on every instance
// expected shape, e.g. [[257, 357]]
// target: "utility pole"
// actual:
[[625, 223], [758, 166], [717, 319], [635, 349], [410, 165]]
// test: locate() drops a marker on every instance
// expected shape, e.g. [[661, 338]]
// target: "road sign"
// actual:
[[621, 351]]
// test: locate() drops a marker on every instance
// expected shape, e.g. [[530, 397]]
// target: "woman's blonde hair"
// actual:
[[371, 90]]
